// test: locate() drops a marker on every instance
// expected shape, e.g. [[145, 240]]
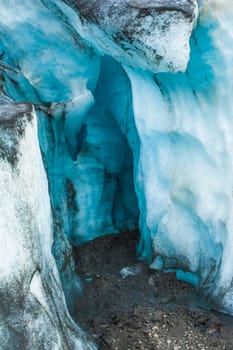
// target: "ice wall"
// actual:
[[185, 174], [33, 313], [45, 65]]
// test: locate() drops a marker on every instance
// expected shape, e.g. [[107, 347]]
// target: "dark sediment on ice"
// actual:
[[147, 310]]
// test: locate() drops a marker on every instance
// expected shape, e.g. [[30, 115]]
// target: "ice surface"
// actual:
[[184, 123], [33, 313], [115, 137], [145, 34]]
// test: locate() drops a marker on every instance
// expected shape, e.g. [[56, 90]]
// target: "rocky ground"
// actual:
[[146, 310]]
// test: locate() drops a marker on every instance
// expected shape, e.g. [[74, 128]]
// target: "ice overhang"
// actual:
[[151, 35]]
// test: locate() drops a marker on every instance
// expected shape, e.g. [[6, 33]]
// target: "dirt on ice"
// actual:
[[128, 306]]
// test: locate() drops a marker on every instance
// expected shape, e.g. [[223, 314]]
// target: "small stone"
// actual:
[[151, 281]]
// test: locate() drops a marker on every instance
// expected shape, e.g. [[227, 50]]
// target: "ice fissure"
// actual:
[[133, 105]]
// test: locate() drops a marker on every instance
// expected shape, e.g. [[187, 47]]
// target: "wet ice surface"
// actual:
[[148, 310]]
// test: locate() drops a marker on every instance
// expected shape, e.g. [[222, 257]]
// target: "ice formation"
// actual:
[[33, 313], [133, 102]]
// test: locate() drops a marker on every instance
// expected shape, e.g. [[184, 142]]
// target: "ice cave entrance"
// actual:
[[92, 176]]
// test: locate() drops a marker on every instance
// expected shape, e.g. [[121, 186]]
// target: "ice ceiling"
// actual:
[[134, 109]]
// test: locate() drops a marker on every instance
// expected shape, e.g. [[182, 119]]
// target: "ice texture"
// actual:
[[33, 313], [135, 127], [185, 169], [146, 34]]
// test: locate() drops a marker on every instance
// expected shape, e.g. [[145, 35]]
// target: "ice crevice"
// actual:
[[134, 115]]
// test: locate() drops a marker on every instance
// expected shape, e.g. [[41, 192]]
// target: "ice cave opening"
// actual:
[[89, 160], [90, 168]]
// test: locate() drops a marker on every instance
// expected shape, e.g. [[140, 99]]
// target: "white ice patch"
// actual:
[[130, 271]]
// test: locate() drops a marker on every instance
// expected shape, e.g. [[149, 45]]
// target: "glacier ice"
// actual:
[[134, 127], [140, 33], [33, 313], [185, 163]]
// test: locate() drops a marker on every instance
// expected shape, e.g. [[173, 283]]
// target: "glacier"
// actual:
[[133, 105]]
